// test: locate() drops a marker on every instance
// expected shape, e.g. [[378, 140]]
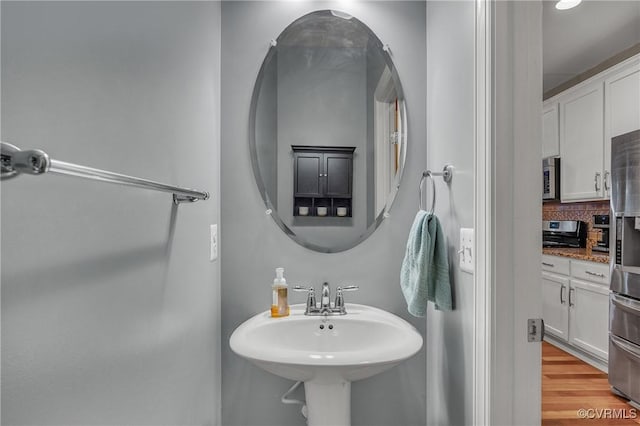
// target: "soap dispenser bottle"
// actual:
[[279, 302]]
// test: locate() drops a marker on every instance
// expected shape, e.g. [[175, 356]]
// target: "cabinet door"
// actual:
[[581, 143], [589, 317], [308, 172], [338, 175], [555, 293], [622, 109], [550, 131]]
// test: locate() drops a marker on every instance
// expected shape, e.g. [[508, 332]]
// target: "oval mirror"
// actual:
[[328, 131]]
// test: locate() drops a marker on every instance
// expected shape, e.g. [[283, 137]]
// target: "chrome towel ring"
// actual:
[[447, 175]]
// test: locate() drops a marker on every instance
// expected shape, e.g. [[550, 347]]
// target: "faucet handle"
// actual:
[[311, 296], [339, 304], [349, 288], [300, 288]]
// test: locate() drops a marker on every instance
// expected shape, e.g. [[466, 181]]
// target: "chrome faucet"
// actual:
[[325, 307], [325, 301]]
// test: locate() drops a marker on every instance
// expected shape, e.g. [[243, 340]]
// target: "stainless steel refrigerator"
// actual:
[[624, 299]]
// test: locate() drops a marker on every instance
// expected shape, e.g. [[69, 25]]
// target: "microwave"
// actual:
[[550, 179]]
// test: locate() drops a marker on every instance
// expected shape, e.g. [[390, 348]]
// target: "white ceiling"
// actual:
[[577, 39]]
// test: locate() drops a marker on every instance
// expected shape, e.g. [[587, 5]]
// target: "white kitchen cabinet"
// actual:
[[550, 130], [575, 309], [556, 264], [622, 110], [622, 95], [582, 143], [590, 271], [590, 114], [589, 317], [554, 305]]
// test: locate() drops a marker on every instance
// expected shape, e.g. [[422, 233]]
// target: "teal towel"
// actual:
[[425, 269]]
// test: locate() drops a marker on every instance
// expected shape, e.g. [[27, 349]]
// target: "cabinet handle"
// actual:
[[626, 347], [629, 305], [550, 265], [594, 274], [562, 294], [606, 180], [571, 290], [596, 181]]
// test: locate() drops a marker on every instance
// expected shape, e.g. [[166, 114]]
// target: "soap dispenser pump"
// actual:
[[279, 302]]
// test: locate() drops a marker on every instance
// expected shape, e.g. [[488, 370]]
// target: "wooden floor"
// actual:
[[570, 385]]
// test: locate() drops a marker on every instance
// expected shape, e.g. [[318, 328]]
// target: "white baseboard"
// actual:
[[578, 353]]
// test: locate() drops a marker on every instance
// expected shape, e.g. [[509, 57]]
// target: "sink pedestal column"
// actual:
[[328, 402]]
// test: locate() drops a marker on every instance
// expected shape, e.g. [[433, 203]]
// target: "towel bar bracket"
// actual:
[[447, 173], [14, 161], [178, 199]]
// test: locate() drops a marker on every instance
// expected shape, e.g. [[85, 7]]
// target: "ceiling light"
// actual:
[[567, 4]]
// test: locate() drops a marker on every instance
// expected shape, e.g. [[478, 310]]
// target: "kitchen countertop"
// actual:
[[577, 253]]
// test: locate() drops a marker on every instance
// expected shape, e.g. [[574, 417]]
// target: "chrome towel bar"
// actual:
[[447, 175], [14, 161]]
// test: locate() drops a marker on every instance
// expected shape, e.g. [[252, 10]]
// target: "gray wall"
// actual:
[[450, 139], [253, 245], [110, 306], [322, 100]]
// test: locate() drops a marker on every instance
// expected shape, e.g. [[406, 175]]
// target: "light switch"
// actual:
[[466, 250], [213, 242]]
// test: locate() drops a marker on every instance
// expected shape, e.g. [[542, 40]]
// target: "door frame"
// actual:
[[483, 212], [508, 130]]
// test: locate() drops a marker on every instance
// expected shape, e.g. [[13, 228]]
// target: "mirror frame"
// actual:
[[271, 210]]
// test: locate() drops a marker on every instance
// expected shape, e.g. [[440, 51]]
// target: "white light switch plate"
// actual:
[[465, 252], [213, 242]]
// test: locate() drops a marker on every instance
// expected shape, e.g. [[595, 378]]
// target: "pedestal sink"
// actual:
[[327, 353]]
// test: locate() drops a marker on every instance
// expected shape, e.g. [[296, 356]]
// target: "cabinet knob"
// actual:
[[596, 180]]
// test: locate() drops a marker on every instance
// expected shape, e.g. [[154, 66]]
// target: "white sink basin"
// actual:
[[327, 353]]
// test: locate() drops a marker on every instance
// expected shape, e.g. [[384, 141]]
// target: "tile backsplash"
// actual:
[[574, 211]]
